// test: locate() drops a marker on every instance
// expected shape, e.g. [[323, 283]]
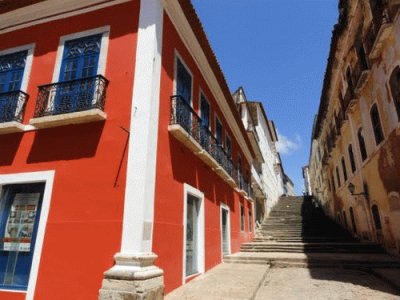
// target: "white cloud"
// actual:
[[286, 145]]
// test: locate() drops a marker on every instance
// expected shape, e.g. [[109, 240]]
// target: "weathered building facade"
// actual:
[[355, 157]]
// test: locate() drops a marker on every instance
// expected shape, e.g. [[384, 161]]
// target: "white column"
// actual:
[[134, 275], [142, 155]]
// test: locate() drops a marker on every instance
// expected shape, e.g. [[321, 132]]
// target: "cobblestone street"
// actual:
[[248, 281]]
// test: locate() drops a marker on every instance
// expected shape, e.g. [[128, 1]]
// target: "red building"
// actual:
[[120, 142]]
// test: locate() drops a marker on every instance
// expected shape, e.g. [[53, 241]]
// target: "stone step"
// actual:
[[339, 260]]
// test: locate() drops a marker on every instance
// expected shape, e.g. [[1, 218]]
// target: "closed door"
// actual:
[[225, 231], [192, 217]]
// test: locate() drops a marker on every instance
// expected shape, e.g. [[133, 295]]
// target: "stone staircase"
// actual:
[[297, 233]]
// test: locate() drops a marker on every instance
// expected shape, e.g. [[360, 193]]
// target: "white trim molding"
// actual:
[[46, 177], [189, 190]]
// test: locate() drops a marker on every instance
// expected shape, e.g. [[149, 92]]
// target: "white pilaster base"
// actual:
[[133, 277]]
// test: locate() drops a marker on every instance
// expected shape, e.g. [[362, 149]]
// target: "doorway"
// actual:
[[225, 230]]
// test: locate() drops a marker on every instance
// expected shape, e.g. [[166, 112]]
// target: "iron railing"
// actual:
[[12, 106], [71, 96], [184, 115]]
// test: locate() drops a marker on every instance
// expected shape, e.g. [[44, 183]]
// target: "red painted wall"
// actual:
[[177, 165], [84, 226]]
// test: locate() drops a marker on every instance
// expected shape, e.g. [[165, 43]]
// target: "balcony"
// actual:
[[12, 110], [360, 74], [70, 102], [379, 30], [186, 126]]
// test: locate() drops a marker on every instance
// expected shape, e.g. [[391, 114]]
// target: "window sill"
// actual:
[[11, 127], [87, 116]]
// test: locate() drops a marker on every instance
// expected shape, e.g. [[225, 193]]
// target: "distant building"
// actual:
[[267, 180], [288, 187], [355, 156], [306, 177]]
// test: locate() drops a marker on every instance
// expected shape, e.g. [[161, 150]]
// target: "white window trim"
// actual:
[[28, 63], [178, 56], [46, 177], [187, 189], [101, 68], [223, 206]]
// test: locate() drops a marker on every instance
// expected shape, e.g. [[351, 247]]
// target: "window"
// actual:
[[344, 219], [241, 217], [183, 82], [351, 158], [344, 169], [205, 123], [376, 216], [228, 147], [20, 207], [204, 112], [12, 67], [333, 183], [376, 124], [78, 74], [395, 89], [338, 177], [250, 221], [218, 131], [361, 143], [353, 221], [239, 172]]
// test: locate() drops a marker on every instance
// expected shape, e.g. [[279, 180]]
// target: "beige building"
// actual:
[[355, 152]]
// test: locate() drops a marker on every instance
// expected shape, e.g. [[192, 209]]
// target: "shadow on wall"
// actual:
[[66, 142], [187, 168], [9, 147]]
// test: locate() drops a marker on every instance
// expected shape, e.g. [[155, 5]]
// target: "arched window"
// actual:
[[361, 143], [376, 216], [344, 169], [351, 158], [353, 221], [395, 88], [344, 219], [376, 124], [338, 177]]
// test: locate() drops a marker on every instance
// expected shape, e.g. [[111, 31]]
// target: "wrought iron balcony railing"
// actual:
[[71, 96], [12, 106], [184, 115]]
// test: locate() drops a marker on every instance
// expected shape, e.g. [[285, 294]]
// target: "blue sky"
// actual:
[[276, 50]]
